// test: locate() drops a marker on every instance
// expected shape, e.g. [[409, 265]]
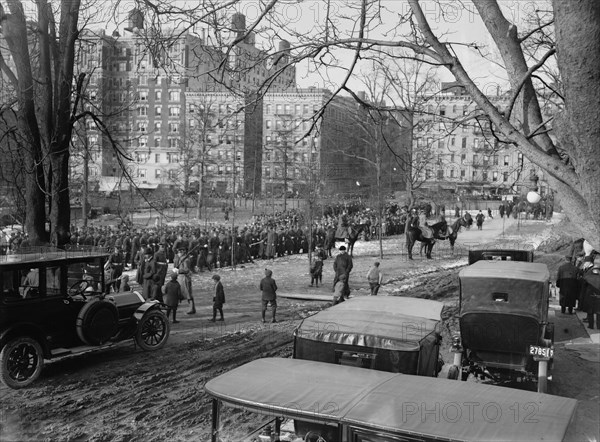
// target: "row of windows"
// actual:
[[288, 109], [174, 111], [484, 176], [144, 157], [174, 95], [297, 157], [142, 126], [277, 172]]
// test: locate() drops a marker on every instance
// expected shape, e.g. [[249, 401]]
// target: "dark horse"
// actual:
[[354, 232], [441, 230]]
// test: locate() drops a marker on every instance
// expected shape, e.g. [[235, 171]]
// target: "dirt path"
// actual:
[[125, 394]]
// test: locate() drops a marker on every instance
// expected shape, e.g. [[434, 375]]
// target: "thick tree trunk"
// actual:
[[578, 42], [14, 30], [60, 210]]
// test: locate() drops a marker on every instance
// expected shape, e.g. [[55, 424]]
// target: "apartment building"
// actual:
[[462, 154]]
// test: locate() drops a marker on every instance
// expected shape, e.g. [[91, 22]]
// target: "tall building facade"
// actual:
[[465, 154]]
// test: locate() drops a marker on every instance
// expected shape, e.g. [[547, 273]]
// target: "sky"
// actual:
[[456, 20]]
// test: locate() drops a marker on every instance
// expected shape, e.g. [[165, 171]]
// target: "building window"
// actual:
[[269, 109], [474, 174], [440, 174], [157, 158], [462, 173], [297, 109], [173, 127], [268, 124], [476, 143], [157, 173], [157, 110], [220, 170], [305, 108], [506, 158], [463, 158], [157, 142], [451, 173], [278, 109], [485, 176], [475, 159], [428, 173], [174, 143], [143, 95], [464, 143], [141, 173], [495, 176], [442, 110], [157, 126], [452, 158], [142, 126], [174, 95], [174, 111], [172, 158], [495, 160], [157, 95], [505, 176]]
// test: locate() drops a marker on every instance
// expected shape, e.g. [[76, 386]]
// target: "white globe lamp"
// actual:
[[533, 197]]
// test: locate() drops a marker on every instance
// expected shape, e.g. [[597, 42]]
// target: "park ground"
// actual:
[[124, 394]]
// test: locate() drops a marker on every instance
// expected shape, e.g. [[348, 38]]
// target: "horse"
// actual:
[[414, 234], [441, 230], [354, 232]]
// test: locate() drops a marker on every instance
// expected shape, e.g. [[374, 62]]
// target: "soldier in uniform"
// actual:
[[184, 277]]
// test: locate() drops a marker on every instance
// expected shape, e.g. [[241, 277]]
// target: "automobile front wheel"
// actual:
[[21, 362], [152, 330]]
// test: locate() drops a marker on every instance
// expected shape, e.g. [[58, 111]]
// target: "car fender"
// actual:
[[25, 329], [145, 307]]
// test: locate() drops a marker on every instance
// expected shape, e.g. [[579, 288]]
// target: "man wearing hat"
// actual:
[[342, 265], [591, 294], [182, 266], [114, 268], [148, 270], [160, 257], [568, 283]]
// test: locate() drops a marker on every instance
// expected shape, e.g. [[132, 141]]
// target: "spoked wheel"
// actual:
[[21, 362], [153, 330]]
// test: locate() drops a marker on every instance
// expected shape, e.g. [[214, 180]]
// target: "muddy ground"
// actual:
[[125, 394]]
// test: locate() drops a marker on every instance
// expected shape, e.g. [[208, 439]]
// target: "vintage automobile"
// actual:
[[256, 401], [52, 304], [504, 329], [388, 333]]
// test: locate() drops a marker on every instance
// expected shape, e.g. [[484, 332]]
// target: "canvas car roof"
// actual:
[[379, 322], [531, 271], [433, 407]]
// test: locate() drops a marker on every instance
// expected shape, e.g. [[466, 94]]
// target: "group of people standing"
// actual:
[[579, 287]]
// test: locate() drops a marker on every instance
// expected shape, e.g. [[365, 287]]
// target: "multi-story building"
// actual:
[[141, 95], [464, 153]]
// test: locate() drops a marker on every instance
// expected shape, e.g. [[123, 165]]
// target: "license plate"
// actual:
[[541, 352]]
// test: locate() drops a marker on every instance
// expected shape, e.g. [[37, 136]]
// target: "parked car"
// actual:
[[341, 403], [395, 334], [52, 304], [505, 333]]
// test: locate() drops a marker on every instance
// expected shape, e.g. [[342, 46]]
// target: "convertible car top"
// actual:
[[355, 399]]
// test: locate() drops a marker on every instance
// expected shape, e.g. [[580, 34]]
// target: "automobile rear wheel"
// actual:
[[152, 330], [453, 372], [21, 362]]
